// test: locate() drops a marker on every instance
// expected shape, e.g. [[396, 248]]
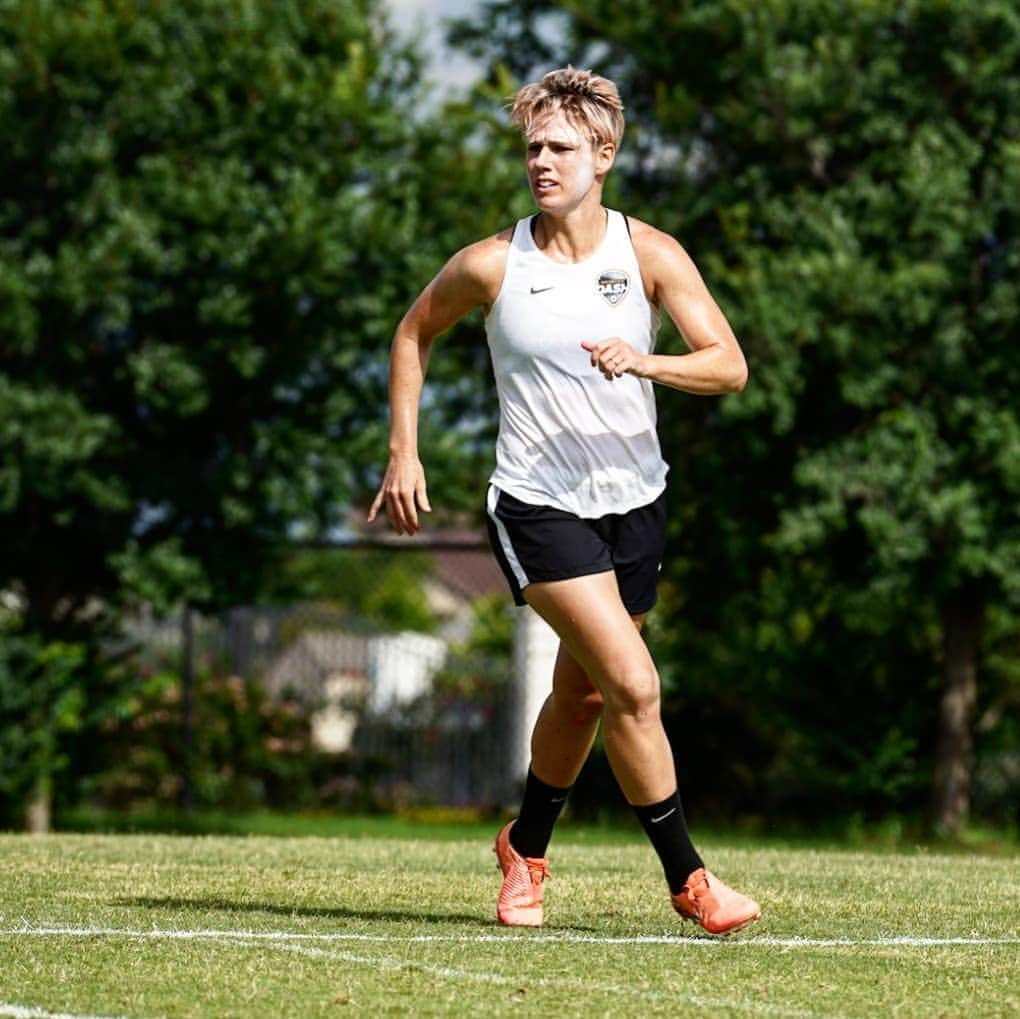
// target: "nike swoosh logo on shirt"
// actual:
[[540, 290]]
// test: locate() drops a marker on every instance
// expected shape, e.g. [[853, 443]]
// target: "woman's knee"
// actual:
[[634, 694]]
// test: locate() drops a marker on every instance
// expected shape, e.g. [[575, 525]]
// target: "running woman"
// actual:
[[576, 506]]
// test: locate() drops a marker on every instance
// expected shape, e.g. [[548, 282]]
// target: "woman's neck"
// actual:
[[573, 237]]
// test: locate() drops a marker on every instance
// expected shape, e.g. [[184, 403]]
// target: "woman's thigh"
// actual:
[[573, 690], [597, 632]]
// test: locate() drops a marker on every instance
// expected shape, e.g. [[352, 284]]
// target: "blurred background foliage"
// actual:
[[845, 533], [213, 214]]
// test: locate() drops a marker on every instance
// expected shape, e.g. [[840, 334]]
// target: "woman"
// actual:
[[576, 506]]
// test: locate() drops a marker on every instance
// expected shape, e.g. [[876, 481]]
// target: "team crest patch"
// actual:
[[613, 285]]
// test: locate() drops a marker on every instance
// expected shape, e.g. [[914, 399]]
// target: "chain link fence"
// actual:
[[396, 678]]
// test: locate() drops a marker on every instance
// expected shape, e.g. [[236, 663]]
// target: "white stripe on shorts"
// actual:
[[504, 539]]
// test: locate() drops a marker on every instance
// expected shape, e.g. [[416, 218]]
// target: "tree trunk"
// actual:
[[38, 809], [963, 616]]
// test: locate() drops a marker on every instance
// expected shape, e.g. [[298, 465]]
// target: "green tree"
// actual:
[[41, 684], [846, 174], [374, 586], [210, 221]]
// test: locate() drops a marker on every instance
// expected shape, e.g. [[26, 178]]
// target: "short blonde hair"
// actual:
[[591, 103]]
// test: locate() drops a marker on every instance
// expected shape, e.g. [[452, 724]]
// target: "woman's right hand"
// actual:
[[404, 493]]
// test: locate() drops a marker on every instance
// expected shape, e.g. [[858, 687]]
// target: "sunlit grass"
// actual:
[[271, 926]]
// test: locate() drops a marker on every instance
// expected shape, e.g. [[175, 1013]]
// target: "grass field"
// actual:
[[155, 925]]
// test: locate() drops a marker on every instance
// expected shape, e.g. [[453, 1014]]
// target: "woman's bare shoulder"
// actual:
[[487, 257], [651, 241], [481, 265], [662, 258]]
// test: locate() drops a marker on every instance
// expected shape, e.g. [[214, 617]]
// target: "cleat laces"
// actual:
[[538, 869]]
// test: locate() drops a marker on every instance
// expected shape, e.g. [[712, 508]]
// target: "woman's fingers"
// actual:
[[403, 493], [612, 357]]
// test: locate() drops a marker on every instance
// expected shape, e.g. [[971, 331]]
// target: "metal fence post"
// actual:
[[187, 705]]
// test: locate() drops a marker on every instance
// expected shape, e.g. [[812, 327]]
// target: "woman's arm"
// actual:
[[715, 364], [470, 279]]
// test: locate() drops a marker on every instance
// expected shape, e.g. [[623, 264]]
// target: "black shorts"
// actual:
[[539, 543]]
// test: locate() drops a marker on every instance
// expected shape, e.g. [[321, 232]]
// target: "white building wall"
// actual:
[[401, 667]]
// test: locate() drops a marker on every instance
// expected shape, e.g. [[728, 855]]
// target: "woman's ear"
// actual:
[[605, 154]]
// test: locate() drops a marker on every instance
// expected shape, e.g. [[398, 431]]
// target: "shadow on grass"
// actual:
[[327, 913]]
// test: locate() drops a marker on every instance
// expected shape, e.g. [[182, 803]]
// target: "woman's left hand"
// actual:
[[614, 357]]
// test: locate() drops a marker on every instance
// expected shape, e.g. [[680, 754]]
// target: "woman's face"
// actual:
[[563, 164]]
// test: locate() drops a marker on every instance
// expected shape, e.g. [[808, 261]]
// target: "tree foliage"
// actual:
[[214, 214], [206, 223], [212, 217], [846, 176]]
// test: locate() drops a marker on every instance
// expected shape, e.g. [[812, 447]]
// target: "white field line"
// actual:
[[12, 1011], [481, 976], [745, 940]]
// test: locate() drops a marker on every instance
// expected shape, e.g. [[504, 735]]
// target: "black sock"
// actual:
[[540, 808], [664, 823]]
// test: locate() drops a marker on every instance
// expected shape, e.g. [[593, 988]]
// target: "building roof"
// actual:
[[464, 561], [302, 665], [469, 573]]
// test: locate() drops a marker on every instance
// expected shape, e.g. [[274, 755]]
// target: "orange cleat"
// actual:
[[520, 898], [713, 904]]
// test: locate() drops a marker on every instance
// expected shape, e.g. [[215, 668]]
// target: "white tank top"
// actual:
[[569, 437]]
